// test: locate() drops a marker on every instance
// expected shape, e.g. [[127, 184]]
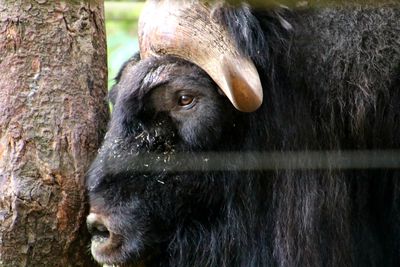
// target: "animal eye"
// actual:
[[185, 100]]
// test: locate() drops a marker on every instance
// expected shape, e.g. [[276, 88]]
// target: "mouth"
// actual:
[[108, 247], [104, 245]]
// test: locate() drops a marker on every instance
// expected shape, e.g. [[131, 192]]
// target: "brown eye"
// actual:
[[185, 100]]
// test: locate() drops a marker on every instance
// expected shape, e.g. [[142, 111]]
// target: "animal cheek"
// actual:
[[189, 135], [200, 134]]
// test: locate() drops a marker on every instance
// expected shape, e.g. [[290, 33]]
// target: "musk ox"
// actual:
[[218, 80]]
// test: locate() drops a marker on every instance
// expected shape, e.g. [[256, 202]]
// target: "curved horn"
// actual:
[[187, 30]]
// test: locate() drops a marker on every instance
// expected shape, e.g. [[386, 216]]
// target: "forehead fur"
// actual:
[[138, 78]]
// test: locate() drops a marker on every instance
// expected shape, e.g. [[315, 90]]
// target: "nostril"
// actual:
[[96, 227]]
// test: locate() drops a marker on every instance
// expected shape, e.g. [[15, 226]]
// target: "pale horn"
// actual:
[[187, 29]]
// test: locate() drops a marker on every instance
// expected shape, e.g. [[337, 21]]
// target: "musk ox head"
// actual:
[[138, 193], [191, 91]]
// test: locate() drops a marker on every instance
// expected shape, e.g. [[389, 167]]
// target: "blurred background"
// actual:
[[121, 30]]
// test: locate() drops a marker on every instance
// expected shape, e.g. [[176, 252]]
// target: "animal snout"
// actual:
[[96, 226]]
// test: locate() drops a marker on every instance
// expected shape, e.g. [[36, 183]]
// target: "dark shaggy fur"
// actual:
[[331, 80]]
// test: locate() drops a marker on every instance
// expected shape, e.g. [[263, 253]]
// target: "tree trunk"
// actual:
[[52, 118]]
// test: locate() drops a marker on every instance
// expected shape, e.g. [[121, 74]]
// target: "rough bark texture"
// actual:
[[52, 119]]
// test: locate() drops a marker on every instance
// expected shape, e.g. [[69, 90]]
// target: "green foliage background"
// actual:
[[121, 29]]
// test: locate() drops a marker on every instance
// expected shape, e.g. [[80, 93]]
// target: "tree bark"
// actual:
[[53, 116]]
